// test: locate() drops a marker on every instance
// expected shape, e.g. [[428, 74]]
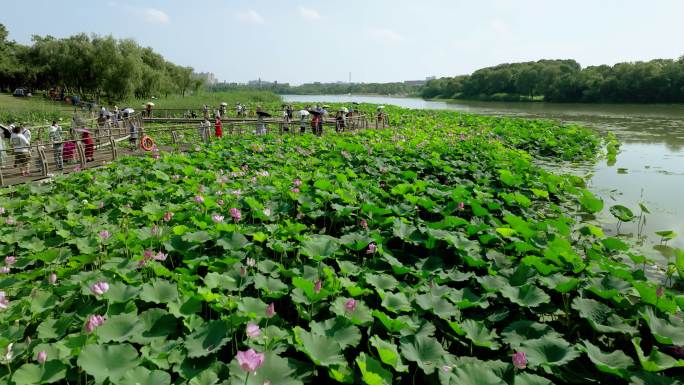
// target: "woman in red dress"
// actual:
[[218, 127]]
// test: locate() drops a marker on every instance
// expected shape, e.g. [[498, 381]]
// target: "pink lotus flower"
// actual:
[[253, 330], [199, 199], [350, 305], [250, 360], [219, 192], [371, 248], [176, 177], [10, 260], [270, 310], [364, 224], [154, 230], [2, 210], [104, 234], [94, 321], [42, 357], [520, 360], [10, 221], [217, 218], [463, 137], [77, 168], [52, 279], [167, 216], [148, 254], [318, 286], [446, 368], [295, 190], [235, 213], [659, 292], [99, 288], [297, 182], [251, 262], [4, 302], [237, 193], [101, 204], [220, 202], [160, 256], [264, 173], [4, 270], [267, 212], [461, 205]]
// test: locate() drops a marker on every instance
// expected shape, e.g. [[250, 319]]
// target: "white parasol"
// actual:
[[303, 113]]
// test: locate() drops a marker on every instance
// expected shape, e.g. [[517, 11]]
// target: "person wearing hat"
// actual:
[[22, 150], [55, 136]]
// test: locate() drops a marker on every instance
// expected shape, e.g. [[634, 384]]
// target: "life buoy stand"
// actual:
[[147, 143]]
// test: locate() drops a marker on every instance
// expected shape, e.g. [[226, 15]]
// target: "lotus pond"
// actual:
[[437, 253]]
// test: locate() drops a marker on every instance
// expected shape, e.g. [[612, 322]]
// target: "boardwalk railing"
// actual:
[[108, 143]]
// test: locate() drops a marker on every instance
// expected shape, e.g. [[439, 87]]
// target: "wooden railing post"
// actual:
[[115, 151], [43, 160], [81, 153]]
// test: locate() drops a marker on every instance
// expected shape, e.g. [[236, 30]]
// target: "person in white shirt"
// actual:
[[22, 150], [55, 135], [26, 132]]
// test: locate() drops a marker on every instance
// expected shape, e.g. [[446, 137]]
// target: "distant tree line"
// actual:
[[398, 88], [97, 66], [655, 81]]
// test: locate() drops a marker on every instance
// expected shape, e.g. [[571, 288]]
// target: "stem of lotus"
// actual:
[[247, 378]]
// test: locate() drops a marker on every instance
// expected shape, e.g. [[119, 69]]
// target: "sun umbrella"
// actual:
[[150, 104], [128, 110], [224, 103], [344, 109], [263, 114], [381, 107], [303, 113]]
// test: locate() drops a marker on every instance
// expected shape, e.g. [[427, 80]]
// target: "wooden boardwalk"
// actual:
[[112, 143]]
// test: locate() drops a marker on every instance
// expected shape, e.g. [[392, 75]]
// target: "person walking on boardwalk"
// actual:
[[218, 127], [205, 111], [132, 131], [55, 136], [22, 150], [89, 144], [303, 116]]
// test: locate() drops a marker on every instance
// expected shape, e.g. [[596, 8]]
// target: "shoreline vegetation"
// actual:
[[437, 252]]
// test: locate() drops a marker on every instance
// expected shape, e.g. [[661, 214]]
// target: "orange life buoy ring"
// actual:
[[147, 143]]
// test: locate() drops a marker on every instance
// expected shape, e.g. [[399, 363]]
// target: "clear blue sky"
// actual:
[[377, 40]]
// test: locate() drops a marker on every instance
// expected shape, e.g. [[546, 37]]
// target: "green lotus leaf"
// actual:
[[396, 303], [560, 283], [646, 378], [548, 351], [42, 301], [54, 328], [668, 331], [400, 324], [339, 330], [655, 361], [356, 241], [477, 332], [388, 354], [159, 291], [322, 350], [120, 328], [120, 292], [622, 213], [320, 247], [271, 287], [601, 317], [235, 241], [616, 362], [590, 203], [471, 373], [341, 374], [466, 298], [516, 333], [372, 372], [382, 281], [108, 361], [361, 314], [206, 377], [425, 351], [30, 374], [207, 339], [649, 295], [530, 379], [144, 376], [526, 295]]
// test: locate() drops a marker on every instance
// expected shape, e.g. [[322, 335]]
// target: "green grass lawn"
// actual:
[[34, 110]]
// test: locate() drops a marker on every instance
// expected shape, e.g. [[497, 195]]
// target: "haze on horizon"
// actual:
[[377, 41]]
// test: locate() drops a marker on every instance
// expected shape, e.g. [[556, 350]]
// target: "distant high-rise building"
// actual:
[[208, 77], [427, 79]]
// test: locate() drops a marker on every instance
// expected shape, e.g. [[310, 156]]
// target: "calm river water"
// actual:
[[649, 168]]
